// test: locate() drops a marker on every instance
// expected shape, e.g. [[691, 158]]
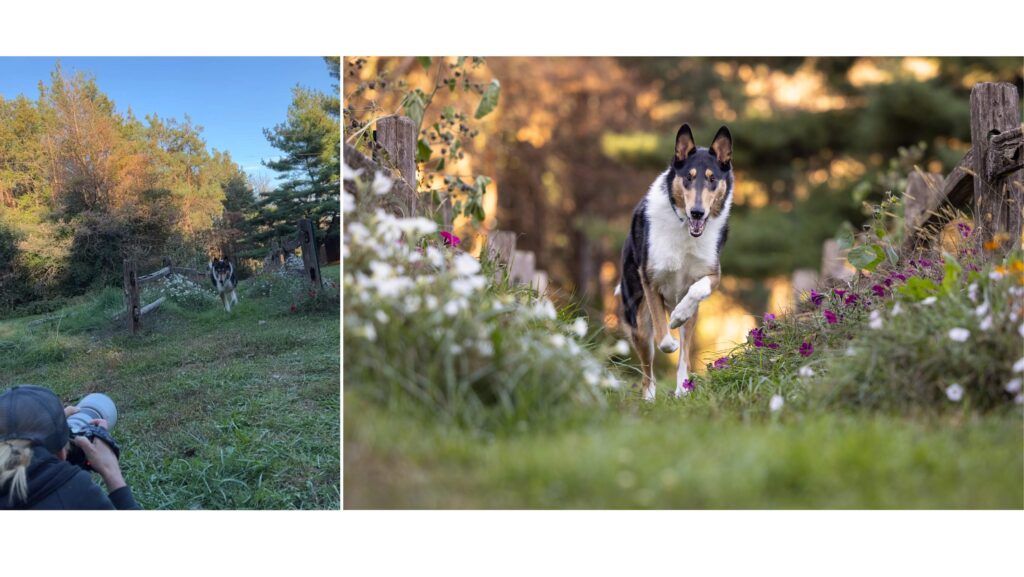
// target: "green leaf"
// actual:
[[952, 270], [866, 257], [845, 237], [423, 151], [489, 101], [414, 104], [424, 61], [448, 113], [918, 288], [460, 61]]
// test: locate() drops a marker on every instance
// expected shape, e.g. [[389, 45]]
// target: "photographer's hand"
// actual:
[[102, 459]]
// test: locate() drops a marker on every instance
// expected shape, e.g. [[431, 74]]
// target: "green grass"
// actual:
[[216, 410], [684, 455]]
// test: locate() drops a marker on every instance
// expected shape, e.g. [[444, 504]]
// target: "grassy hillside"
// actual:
[[217, 410]]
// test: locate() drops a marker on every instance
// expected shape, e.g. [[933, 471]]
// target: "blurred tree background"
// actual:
[[574, 143]]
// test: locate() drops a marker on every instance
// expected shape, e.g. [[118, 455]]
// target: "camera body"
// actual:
[[92, 406]]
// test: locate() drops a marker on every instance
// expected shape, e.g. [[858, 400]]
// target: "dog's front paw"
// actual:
[[683, 311], [668, 344], [648, 393]]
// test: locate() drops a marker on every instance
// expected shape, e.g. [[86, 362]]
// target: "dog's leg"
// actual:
[[686, 337], [234, 297], [687, 307], [662, 336], [643, 343]]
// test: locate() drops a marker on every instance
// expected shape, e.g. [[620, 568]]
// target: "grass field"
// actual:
[[683, 454], [216, 410]]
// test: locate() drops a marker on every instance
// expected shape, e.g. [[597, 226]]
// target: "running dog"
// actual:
[[670, 260], [222, 273]]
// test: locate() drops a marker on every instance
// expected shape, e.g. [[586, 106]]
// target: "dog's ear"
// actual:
[[721, 146], [684, 143]]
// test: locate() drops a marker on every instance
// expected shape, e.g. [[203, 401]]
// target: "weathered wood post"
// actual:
[[998, 191], [307, 236], [131, 291], [397, 137], [923, 189], [168, 264]]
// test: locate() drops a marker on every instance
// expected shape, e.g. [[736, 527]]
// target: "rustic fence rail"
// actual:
[[987, 180]]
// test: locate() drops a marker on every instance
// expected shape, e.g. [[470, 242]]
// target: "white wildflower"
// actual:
[[430, 301], [610, 382], [545, 310], [806, 372], [558, 341], [850, 351], [349, 173], [466, 265], [416, 227], [1013, 386], [382, 317], [469, 285], [381, 184], [434, 256], [897, 309], [981, 310], [929, 301], [412, 304], [986, 323], [972, 291], [591, 378], [579, 326], [955, 392], [995, 275], [452, 307], [1020, 330], [369, 333], [455, 349], [959, 334], [485, 347], [348, 203], [622, 348], [1018, 367], [776, 403], [1019, 399], [876, 319]]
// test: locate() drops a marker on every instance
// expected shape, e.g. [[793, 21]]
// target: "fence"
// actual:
[[304, 238], [395, 145], [988, 180]]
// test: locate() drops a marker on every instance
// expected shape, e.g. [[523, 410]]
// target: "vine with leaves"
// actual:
[[442, 133]]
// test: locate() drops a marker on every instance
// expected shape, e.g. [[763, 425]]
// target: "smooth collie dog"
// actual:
[[222, 273], [670, 261]]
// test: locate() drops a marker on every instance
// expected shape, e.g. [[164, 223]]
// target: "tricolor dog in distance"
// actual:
[[222, 273], [670, 260]]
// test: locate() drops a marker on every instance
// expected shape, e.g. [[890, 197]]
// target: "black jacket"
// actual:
[[56, 484]]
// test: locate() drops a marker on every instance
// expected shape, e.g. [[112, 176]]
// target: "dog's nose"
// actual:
[[697, 213]]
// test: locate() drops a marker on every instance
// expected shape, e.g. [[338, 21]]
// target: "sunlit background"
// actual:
[[575, 142]]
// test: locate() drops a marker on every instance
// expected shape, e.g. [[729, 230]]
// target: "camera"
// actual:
[[92, 406]]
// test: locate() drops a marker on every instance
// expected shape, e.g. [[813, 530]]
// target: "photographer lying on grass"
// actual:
[[35, 441]]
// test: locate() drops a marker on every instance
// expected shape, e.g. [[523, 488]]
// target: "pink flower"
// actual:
[[449, 239], [816, 297], [769, 318], [852, 298], [688, 385], [879, 290], [830, 317], [806, 349]]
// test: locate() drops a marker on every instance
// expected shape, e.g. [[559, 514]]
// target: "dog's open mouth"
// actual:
[[696, 226]]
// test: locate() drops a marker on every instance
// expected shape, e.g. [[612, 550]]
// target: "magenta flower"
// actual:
[[721, 363], [831, 317], [769, 318], [879, 290], [839, 293], [816, 297], [772, 346], [965, 230], [852, 298], [450, 239], [689, 385], [758, 336], [887, 282], [924, 263], [902, 277], [806, 349]]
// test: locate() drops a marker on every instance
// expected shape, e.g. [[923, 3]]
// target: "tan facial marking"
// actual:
[[717, 198], [707, 173], [682, 195], [693, 172]]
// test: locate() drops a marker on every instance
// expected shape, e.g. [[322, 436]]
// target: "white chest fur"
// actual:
[[675, 259]]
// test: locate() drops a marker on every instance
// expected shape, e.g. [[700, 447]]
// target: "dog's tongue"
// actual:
[[696, 227]]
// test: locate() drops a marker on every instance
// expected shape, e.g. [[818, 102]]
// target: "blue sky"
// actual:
[[233, 99]]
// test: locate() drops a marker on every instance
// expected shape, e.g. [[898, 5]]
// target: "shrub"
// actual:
[[427, 326]]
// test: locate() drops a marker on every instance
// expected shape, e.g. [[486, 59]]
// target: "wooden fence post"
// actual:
[[131, 291], [307, 236], [397, 137], [997, 199], [922, 191]]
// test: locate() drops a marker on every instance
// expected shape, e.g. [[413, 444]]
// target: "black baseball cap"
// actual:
[[34, 414]]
